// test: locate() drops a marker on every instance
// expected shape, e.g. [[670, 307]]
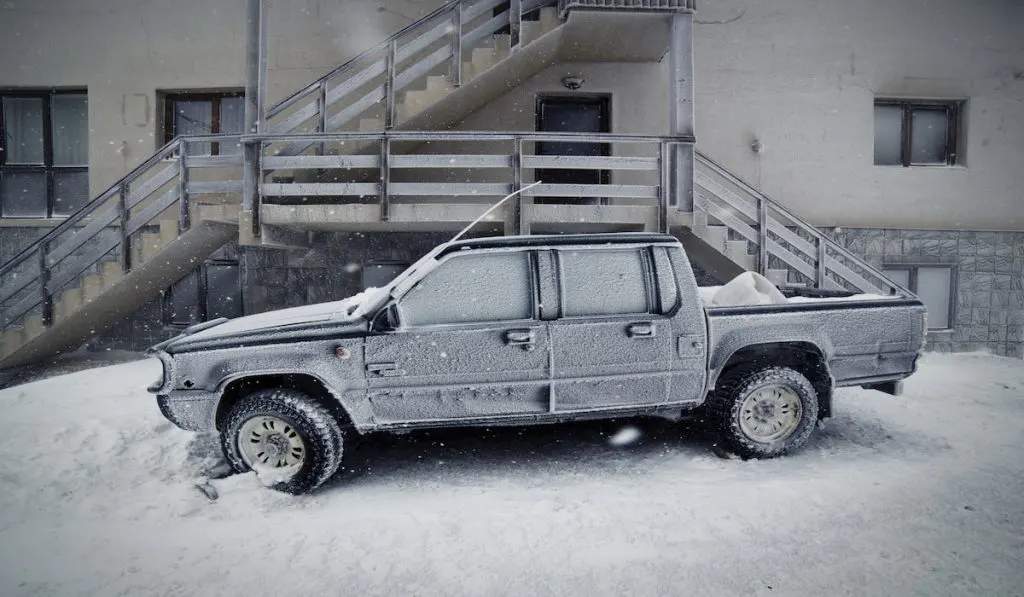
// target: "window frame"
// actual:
[[47, 168], [650, 282], [167, 296], [954, 133], [912, 269], [214, 97], [401, 323]]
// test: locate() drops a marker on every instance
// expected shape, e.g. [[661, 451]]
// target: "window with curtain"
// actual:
[[44, 153], [202, 113]]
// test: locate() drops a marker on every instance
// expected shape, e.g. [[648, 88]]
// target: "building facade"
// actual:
[[896, 129]]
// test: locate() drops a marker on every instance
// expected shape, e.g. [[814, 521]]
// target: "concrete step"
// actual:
[[67, 303], [226, 213], [716, 236], [145, 246], [371, 125], [736, 249], [779, 277], [437, 88], [548, 20], [32, 326], [747, 262], [13, 339], [168, 231], [92, 287]]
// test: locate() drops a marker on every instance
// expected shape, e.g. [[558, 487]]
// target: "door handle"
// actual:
[[384, 369], [640, 330], [527, 339]]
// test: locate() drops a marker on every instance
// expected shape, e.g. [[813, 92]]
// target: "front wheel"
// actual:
[[292, 443], [764, 412]]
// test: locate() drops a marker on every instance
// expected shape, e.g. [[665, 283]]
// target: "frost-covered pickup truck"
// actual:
[[521, 330]]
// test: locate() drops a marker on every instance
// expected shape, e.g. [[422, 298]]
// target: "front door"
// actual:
[[468, 344], [572, 115], [611, 346]]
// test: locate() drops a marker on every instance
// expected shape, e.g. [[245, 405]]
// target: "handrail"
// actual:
[[467, 136], [818, 236]]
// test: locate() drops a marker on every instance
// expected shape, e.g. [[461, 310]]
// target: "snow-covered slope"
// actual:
[[920, 494]]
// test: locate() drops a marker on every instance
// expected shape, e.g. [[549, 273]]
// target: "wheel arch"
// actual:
[[237, 388], [804, 357]]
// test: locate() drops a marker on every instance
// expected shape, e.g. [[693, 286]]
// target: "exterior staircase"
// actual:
[[364, 148]]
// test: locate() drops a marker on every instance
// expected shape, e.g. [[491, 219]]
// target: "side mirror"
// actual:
[[386, 319]]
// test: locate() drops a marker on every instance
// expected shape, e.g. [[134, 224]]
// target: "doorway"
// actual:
[[572, 114]]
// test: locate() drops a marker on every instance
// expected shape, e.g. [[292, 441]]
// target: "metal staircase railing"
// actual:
[[564, 6], [782, 238], [437, 41], [105, 228]]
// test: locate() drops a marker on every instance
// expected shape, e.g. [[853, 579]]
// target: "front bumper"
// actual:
[[190, 410]]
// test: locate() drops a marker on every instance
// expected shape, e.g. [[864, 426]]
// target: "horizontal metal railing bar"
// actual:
[[637, 191], [421, 68], [16, 284], [21, 308], [213, 187], [82, 236], [213, 161], [423, 41], [319, 189], [81, 212], [327, 162], [577, 162], [461, 189], [451, 161], [777, 228], [469, 136], [479, 32], [747, 208], [354, 109]]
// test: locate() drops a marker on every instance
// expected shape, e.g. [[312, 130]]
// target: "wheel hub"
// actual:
[[770, 413], [270, 444]]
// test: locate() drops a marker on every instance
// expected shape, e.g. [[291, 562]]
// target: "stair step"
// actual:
[[747, 262], [145, 246], [33, 326], [547, 21], [716, 236], [736, 249], [779, 277], [371, 125], [13, 340], [67, 303], [168, 231], [92, 287]]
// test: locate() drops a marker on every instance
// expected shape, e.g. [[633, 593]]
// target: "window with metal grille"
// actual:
[[917, 132], [44, 153]]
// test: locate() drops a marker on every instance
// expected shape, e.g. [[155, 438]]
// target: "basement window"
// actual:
[[933, 284], [44, 153], [212, 291], [917, 132]]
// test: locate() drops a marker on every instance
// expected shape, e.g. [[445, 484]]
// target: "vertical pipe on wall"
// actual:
[[681, 115]]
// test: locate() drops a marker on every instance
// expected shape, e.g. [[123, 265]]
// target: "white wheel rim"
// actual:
[[270, 445], [770, 413]]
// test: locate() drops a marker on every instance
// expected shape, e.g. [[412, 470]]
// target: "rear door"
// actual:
[[469, 344], [612, 345]]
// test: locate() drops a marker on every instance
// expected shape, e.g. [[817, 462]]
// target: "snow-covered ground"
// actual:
[[917, 495]]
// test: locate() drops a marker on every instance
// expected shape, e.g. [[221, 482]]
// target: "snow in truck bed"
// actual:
[[919, 494]]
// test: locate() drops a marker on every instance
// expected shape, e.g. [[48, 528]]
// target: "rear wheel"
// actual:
[[764, 412], [292, 443]]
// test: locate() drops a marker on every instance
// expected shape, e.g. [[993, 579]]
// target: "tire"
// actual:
[[748, 403], [309, 445]]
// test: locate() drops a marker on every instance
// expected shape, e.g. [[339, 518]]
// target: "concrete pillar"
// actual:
[[681, 109]]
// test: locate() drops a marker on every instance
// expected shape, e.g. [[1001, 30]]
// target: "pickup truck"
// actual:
[[525, 330]]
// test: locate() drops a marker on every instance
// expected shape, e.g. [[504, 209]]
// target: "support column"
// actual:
[[681, 115], [255, 97]]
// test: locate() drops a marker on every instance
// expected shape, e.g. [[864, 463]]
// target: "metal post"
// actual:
[[184, 217], [389, 87], [456, 74], [252, 175], [822, 245], [517, 216], [762, 236], [321, 125], [515, 22], [122, 229], [664, 194], [255, 104], [44, 280], [681, 107], [385, 178]]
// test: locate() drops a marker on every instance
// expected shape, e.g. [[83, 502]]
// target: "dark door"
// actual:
[[572, 115], [468, 344]]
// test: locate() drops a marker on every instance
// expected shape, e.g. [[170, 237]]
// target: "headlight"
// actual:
[[160, 385]]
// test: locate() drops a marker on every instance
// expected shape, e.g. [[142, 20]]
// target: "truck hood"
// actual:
[[336, 318]]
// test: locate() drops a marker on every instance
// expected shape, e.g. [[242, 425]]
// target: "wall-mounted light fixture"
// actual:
[[573, 83]]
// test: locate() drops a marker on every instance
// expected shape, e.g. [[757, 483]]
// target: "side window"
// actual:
[[603, 282], [668, 290], [472, 289]]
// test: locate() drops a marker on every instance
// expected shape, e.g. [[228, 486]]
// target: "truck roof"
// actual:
[[535, 240]]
